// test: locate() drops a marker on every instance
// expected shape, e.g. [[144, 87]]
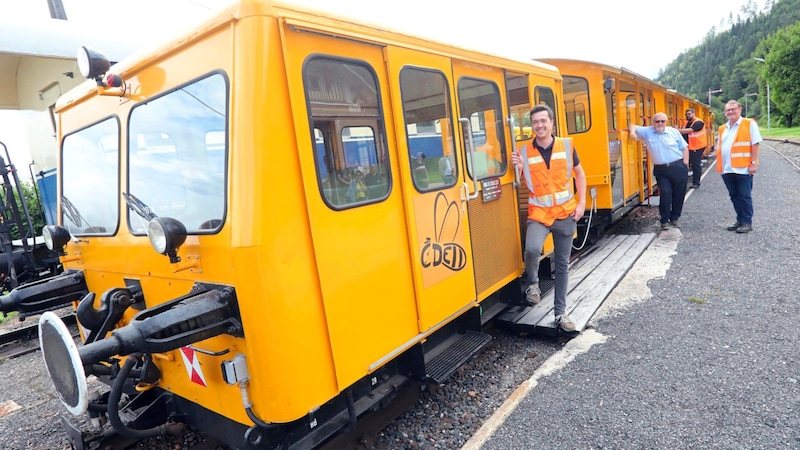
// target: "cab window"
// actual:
[[90, 179], [576, 104], [177, 153], [429, 125], [348, 134], [479, 101]]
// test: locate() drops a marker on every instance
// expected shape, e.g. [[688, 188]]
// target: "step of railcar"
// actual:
[[457, 352], [591, 279]]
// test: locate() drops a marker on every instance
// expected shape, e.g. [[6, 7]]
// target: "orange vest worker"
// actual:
[[740, 149], [551, 195]]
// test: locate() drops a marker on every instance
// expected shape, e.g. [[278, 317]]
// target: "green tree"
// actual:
[[34, 209], [782, 50]]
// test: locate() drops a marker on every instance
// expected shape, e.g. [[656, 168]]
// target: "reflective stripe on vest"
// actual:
[[740, 148], [562, 151]]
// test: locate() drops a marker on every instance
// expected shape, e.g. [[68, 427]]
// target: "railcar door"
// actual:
[[624, 103], [431, 167], [356, 216], [491, 206]]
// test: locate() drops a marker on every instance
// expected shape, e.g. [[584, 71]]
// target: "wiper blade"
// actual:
[[138, 206], [71, 212]]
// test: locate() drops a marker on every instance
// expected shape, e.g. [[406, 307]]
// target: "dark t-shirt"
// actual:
[[547, 152], [697, 125]]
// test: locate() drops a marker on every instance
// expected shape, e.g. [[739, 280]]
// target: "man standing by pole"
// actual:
[[554, 206], [694, 134]]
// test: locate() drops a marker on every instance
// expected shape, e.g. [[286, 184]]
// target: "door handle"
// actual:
[[471, 150]]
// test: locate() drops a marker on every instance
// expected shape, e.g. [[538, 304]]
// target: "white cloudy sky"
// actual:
[[639, 35]]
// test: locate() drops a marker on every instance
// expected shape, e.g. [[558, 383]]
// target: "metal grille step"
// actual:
[[444, 364]]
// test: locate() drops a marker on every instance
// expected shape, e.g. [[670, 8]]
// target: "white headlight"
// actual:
[[157, 236], [48, 238]]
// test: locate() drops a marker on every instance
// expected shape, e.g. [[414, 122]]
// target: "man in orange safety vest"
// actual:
[[553, 206]]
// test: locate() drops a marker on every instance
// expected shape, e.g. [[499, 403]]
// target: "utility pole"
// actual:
[[762, 60], [712, 92], [745, 101]]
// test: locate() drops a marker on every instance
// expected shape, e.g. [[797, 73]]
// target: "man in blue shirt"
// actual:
[[669, 154]]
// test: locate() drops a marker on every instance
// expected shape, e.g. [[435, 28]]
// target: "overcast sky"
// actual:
[[638, 35]]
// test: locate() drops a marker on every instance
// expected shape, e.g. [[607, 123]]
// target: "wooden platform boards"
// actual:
[[591, 279]]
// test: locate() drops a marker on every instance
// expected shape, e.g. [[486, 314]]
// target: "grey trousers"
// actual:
[[563, 230]]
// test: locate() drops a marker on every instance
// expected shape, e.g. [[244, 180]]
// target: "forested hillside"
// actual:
[[725, 60]]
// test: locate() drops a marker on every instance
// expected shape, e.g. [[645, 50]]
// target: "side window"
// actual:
[[641, 108], [90, 179], [519, 103], [630, 108], [479, 101], [544, 96], [348, 134], [177, 153], [576, 104], [429, 125]]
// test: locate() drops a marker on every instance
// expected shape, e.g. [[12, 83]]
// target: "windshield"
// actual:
[[90, 187], [177, 154]]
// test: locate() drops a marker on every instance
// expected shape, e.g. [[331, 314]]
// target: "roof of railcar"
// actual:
[[615, 69], [302, 17], [619, 70]]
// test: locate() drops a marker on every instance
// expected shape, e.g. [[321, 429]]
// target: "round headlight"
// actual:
[[48, 238], [55, 237], [92, 63], [166, 234]]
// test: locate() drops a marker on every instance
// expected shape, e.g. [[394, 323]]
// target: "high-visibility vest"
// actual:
[[697, 139], [551, 195], [740, 149]]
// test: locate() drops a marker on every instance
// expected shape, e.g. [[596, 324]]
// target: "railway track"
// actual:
[[25, 340]]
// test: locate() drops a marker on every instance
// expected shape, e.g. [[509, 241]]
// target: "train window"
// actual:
[[670, 110], [612, 115], [544, 96], [177, 152], [576, 104], [519, 104], [479, 101], [429, 125], [641, 107], [90, 179], [348, 135], [630, 109]]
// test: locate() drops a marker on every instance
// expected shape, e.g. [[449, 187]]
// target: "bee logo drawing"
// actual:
[[442, 250]]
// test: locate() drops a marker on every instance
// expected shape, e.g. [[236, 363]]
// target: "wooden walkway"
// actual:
[[591, 279]]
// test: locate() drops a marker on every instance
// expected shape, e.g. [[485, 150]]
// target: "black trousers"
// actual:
[[696, 163], [672, 188]]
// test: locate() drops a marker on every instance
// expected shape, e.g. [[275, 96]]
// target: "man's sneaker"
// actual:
[[735, 226], [695, 186], [664, 225], [565, 322], [532, 294], [675, 223], [745, 228]]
